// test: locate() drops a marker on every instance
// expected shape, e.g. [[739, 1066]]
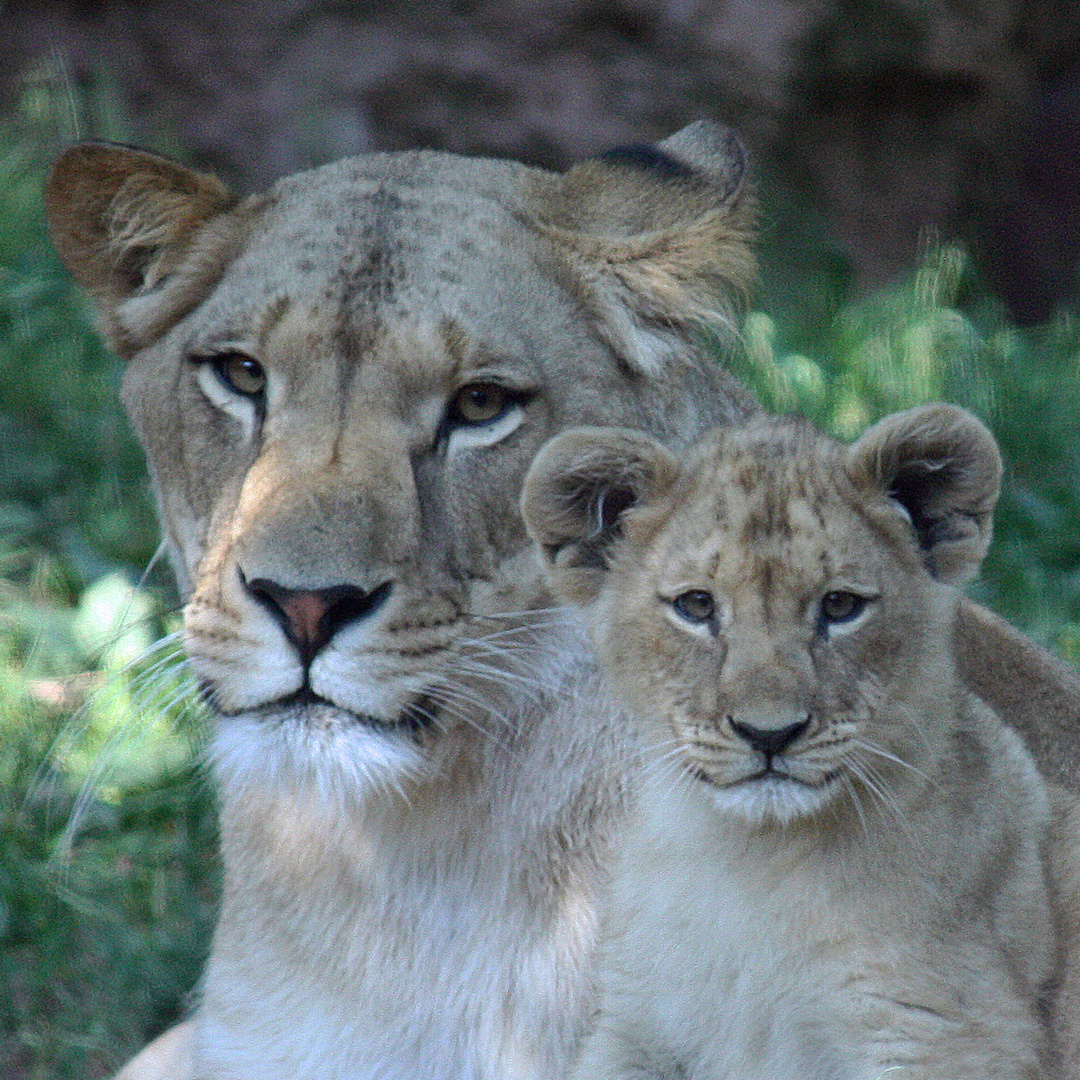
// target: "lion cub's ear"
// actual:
[[943, 467], [123, 221], [657, 239], [577, 489]]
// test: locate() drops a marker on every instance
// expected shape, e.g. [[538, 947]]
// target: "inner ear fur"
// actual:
[[124, 220], [658, 239], [578, 488], [942, 465]]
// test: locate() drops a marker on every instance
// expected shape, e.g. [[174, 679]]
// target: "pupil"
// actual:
[[696, 605], [841, 605], [245, 374], [478, 404]]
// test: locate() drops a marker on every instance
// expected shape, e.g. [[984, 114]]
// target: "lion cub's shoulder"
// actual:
[[838, 865]]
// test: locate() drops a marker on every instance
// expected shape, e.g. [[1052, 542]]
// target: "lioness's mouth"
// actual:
[[305, 706]]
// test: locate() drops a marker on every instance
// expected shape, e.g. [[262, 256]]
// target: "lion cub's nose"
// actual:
[[311, 617], [772, 740]]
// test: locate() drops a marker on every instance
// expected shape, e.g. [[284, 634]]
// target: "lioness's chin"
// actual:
[[774, 799], [320, 747]]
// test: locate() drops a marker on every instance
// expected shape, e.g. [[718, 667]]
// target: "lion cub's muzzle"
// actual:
[[765, 742], [311, 617], [768, 740]]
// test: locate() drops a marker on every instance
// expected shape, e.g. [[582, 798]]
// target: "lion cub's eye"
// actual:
[[240, 373], [479, 403], [695, 606], [841, 607]]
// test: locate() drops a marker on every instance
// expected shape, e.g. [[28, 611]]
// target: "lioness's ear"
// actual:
[[942, 466], [576, 491], [657, 239], [123, 221]]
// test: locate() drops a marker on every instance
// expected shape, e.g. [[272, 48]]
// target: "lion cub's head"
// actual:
[[777, 609]]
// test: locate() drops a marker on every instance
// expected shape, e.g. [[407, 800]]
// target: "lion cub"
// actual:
[[836, 868]]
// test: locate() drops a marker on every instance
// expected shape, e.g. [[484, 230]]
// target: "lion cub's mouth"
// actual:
[[768, 774]]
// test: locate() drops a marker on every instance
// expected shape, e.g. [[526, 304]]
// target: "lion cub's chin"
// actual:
[[771, 800]]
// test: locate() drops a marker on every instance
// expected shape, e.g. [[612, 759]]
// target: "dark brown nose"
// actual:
[[311, 617], [769, 741]]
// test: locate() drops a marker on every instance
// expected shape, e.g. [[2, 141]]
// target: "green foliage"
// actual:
[[102, 931], [937, 336], [108, 873], [73, 477]]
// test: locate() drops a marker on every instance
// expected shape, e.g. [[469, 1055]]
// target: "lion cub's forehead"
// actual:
[[773, 492]]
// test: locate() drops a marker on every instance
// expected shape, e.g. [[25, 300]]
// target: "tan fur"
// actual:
[[385, 878], [836, 871], [1038, 691], [1065, 878]]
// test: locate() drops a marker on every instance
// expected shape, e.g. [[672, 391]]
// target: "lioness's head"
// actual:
[[340, 385], [776, 608]]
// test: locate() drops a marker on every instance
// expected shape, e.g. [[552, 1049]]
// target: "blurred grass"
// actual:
[[938, 335], [108, 873]]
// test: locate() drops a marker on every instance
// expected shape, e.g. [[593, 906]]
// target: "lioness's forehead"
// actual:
[[359, 245], [374, 240]]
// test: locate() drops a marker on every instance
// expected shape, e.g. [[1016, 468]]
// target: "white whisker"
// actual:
[[460, 707], [856, 800], [559, 613], [461, 698], [888, 756], [669, 762], [159, 554], [531, 688], [876, 786], [149, 694]]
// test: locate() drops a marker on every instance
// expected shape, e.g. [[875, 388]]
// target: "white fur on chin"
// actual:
[[316, 748], [771, 799]]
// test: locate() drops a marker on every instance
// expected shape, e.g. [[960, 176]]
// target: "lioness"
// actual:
[[340, 385], [835, 871]]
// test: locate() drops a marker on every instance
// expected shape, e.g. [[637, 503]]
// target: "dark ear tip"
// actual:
[[649, 159], [711, 149]]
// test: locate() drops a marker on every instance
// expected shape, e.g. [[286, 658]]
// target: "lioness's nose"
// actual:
[[769, 741], [311, 617]]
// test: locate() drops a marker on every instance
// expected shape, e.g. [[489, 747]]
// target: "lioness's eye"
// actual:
[[479, 403], [240, 373], [696, 606], [841, 606]]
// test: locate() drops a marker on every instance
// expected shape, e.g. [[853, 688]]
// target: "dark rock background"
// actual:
[[898, 119]]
